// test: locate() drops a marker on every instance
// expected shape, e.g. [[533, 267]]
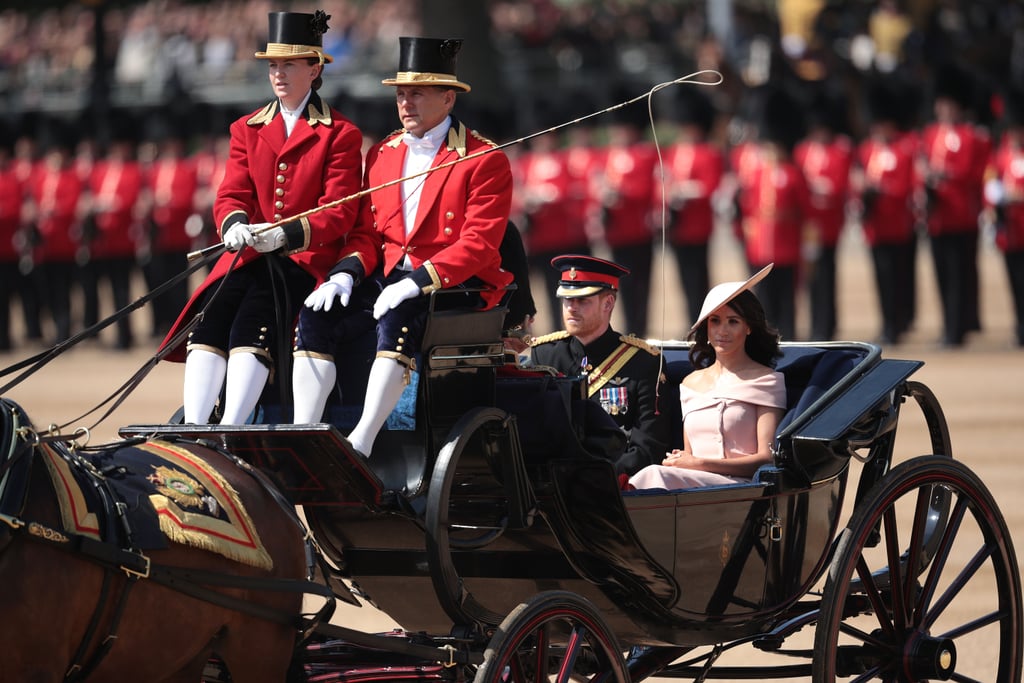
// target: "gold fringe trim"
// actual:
[[236, 539]]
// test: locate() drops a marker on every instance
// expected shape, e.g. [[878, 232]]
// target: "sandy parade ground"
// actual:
[[980, 386]]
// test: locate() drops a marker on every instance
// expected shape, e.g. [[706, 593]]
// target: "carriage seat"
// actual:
[[809, 371]]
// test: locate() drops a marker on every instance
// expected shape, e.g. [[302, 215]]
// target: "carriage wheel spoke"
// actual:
[[915, 549], [892, 551], [541, 653], [936, 610], [874, 596], [956, 519], [572, 651]]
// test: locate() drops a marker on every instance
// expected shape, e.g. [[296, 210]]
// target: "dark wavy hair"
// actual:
[[762, 343]]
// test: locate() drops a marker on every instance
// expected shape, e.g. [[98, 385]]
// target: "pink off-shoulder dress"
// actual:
[[720, 423]]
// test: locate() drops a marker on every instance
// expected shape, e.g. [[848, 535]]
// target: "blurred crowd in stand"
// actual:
[[902, 120]]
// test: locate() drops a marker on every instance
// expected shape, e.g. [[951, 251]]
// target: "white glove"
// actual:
[[269, 240], [239, 235], [394, 295], [322, 298]]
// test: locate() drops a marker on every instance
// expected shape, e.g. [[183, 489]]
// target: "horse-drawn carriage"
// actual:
[[490, 527]]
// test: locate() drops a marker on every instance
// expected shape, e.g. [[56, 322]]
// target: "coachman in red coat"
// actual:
[[293, 155], [435, 230]]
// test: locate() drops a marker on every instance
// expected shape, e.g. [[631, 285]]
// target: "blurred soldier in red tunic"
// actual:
[[778, 203], [55, 191], [884, 181], [825, 157], [954, 153], [10, 224], [542, 187], [625, 191], [24, 166], [694, 167], [171, 184], [111, 227], [1004, 195]]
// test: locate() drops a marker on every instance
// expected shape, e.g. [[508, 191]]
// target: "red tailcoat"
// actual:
[[463, 212], [270, 177], [543, 185], [628, 179], [957, 154], [889, 179], [779, 201], [699, 166], [116, 187], [56, 193], [1007, 165], [826, 168]]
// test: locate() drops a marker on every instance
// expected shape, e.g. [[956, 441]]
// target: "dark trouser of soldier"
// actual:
[[692, 262], [908, 264], [778, 296], [162, 266], [31, 301], [1015, 271], [952, 253], [894, 292], [822, 293], [972, 297], [117, 272], [53, 282], [635, 289], [541, 262]]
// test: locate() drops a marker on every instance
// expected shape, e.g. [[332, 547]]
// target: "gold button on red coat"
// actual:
[[279, 192], [282, 166], [449, 215], [280, 178], [279, 204]]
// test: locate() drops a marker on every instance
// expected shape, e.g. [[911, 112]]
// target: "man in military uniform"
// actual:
[[624, 372]]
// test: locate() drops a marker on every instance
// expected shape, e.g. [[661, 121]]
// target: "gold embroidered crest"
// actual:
[[179, 487]]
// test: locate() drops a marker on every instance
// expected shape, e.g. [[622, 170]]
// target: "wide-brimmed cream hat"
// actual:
[[296, 35], [427, 61], [722, 294]]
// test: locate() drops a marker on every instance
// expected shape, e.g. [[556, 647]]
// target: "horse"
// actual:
[[77, 608]]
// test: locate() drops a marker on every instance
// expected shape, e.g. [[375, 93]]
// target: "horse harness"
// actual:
[[122, 554]]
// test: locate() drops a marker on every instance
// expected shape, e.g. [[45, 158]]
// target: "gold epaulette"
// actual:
[[640, 344], [545, 338], [481, 138]]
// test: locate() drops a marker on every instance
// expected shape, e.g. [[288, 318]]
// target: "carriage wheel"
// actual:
[[557, 636], [887, 615]]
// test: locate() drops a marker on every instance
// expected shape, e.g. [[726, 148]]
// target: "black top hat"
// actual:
[[781, 121], [694, 107], [953, 82], [294, 35], [427, 61], [586, 275]]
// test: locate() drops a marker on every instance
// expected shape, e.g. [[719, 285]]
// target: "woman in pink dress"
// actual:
[[732, 402]]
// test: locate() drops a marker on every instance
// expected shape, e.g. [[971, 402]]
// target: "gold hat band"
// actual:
[[294, 51], [425, 78]]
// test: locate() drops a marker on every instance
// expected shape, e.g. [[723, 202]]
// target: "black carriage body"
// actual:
[[495, 496]]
